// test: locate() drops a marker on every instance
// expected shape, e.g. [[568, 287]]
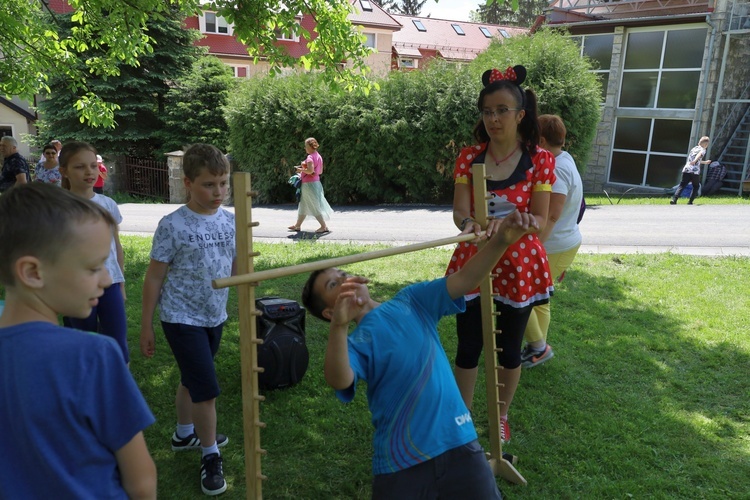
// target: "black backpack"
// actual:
[[283, 354]]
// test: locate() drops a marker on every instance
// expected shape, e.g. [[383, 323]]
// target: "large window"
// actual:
[[598, 48], [661, 70], [649, 151]]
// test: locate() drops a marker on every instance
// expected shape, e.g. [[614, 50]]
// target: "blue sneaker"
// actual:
[[531, 357]]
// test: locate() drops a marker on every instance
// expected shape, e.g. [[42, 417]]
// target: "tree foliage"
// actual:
[[510, 12], [108, 35], [405, 7], [399, 144], [195, 106], [138, 92]]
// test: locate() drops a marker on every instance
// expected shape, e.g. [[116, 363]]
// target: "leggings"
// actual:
[[511, 322], [107, 318]]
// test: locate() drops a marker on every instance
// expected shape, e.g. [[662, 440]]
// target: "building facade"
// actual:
[[671, 71]]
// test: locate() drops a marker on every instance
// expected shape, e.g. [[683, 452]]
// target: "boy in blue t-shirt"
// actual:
[[72, 415], [425, 445], [192, 246]]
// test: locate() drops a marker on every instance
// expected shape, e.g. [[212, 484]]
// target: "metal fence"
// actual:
[[146, 177]]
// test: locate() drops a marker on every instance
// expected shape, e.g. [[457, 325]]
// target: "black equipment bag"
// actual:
[[283, 354]]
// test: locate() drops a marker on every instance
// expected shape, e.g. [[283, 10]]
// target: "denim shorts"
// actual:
[[194, 348]]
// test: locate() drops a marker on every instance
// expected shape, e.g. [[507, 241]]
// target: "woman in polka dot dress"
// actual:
[[520, 175]]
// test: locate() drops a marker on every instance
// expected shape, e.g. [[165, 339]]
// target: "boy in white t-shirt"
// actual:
[[192, 246]]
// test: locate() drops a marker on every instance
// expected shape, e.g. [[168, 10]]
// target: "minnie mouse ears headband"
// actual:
[[515, 74]]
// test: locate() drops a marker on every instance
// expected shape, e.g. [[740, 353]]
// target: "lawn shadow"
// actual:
[[631, 402]]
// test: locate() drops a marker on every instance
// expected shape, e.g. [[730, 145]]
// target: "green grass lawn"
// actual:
[[647, 396], [628, 199]]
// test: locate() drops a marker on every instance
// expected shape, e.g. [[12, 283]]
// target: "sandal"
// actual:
[[322, 230], [294, 228]]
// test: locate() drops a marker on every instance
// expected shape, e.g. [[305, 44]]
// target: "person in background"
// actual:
[[520, 177], [15, 167], [692, 170], [103, 174], [714, 178], [48, 168], [108, 316], [312, 200], [561, 236]]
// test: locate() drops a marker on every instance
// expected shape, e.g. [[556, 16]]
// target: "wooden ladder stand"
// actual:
[[249, 340], [500, 466], [247, 279]]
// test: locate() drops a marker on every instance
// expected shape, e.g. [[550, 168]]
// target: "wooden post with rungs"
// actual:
[[251, 396], [500, 466], [247, 279]]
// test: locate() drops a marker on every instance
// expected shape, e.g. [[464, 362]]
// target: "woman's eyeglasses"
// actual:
[[497, 112]]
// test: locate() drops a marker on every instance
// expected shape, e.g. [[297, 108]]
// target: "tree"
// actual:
[[512, 12], [195, 106], [405, 7], [495, 13], [108, 35], [136, 92]]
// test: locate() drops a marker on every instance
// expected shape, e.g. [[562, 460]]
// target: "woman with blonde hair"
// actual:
[[312, 200]]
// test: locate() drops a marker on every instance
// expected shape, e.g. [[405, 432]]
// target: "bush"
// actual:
[[398, 144], [194, 107]]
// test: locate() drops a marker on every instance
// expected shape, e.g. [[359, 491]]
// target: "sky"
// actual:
[[453, 10]]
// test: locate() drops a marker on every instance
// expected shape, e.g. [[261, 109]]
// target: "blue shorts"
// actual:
[[194, 348], [107, 318], [462, 472]]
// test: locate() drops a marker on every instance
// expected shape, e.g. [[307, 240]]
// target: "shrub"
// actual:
[[398, 144]]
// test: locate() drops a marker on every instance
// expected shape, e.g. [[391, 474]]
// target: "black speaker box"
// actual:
[[283, 354]]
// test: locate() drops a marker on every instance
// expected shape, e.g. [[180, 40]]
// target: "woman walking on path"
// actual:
[[691, 171], [520, 177], [312, 201]]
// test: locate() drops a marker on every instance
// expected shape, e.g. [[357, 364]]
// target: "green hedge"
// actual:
[[397, 144]]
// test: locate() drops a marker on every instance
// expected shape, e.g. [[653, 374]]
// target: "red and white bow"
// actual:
[[509, 74]]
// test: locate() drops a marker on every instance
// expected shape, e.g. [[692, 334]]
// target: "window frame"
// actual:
[[203, 24]]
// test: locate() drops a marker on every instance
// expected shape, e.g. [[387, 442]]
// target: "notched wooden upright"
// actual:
[[500, 466], [249, 341]]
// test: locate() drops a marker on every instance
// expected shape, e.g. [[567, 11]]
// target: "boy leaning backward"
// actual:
[[71, 415], [425, 444], [192, 246]]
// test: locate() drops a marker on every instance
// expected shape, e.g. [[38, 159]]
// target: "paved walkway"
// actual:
[[694, 230]]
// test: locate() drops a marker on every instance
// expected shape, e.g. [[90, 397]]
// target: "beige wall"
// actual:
[[9, 118]]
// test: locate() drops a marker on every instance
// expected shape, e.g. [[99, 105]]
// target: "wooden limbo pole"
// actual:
[[247, 279]]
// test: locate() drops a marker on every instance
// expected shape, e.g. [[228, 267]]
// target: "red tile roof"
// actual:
[[441, 36]]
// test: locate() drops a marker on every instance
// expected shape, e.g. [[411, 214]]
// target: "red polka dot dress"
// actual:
[[523, 276]]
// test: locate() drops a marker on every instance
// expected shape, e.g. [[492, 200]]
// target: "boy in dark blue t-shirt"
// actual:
[[72, 415]]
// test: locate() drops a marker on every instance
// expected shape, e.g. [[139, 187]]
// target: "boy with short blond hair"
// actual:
[[72, 415], [192, 246]]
